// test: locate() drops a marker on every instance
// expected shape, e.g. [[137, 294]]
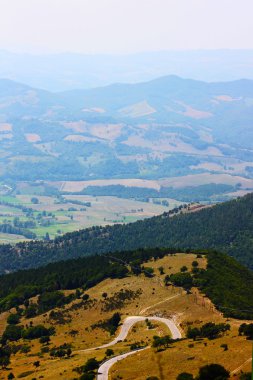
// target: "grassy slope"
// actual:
[[155, 299], [227, 283]]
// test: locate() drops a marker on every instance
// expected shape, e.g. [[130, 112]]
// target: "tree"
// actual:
[[247, 330], [167, 280], [36, 364], [68, 352], [104, 295], [10, 376], [87, 376], [148, 271], [183, 269], [13, 319], [85, 297], [34, 200], [161, 270], [109, 352], [12, 333], [185, 376], [245, 376], [4, 357], [195, 264], [45, 339], [182, 279], [164, 341], [193, 333], [90, 365], [213, 372]]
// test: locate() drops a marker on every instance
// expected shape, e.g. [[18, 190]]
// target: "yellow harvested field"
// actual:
[[5, 127], [106, 131], [194, 113], [205, 178], [225, 98], [170, 143], [32, 137], [138, 110], [75, 186]]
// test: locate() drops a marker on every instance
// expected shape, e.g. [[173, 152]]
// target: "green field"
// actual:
[[56, 215]]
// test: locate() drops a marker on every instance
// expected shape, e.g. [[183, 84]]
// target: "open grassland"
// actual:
[[75, 326]]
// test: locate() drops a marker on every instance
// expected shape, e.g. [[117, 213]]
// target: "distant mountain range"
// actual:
[[167, 127], [67, 71]]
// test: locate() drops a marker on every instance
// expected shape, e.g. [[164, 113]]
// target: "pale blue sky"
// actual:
[[124, 26]]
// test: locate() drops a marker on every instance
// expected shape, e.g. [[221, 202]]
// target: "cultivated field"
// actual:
[[56, 216]]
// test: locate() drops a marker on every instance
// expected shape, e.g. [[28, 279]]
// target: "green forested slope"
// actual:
[[227, 283], [225, 227]]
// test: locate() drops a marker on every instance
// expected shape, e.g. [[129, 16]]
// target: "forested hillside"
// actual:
[[234, 300], [226, 227]]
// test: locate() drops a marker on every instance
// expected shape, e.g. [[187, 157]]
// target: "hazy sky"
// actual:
[[123, 26]]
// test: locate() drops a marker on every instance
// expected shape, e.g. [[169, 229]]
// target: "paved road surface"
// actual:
[[126, 326]]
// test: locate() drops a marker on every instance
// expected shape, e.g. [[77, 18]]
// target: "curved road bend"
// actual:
[[103, 370], [130, 321]]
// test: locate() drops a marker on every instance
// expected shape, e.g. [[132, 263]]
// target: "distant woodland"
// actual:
[[226, 227]]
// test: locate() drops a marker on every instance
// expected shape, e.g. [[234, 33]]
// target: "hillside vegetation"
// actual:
[[225, 227], [227, 283], [52, 342]]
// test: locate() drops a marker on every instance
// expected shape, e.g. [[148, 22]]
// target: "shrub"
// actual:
[[13, 319], [109, 352], [182, 279], [213, 372], [12, 333], [91, 365], [209, 330], [245, 376], [247, 330], [38, 331], [185, 376]]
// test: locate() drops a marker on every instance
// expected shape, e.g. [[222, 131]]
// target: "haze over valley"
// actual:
[[126, 190]]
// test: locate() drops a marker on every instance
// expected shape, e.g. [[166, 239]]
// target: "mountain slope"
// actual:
[[88, 316], [226, 227], [234, 301], [163, 128]]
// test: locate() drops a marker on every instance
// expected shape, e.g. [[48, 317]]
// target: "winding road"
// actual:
[[103, 370]]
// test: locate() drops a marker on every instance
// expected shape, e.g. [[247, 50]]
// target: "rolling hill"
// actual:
[[168, 127], [225, 227], [58, 319]]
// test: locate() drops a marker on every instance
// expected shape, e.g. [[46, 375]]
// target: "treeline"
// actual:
[[7, 228], [224, 227], [187, 194], [227, 283], [17, 287]]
